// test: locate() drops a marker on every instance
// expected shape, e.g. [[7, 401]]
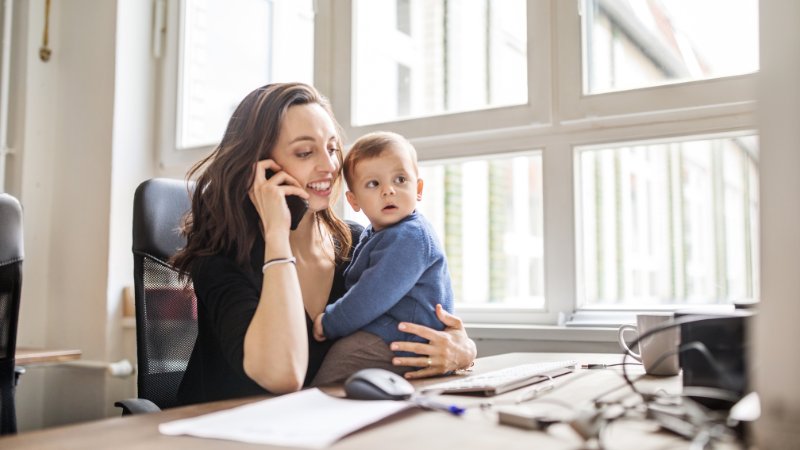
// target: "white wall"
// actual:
[[133, 161], [82, 135], [776, 366]]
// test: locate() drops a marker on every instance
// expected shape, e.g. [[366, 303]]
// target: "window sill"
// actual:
[[541, 333]]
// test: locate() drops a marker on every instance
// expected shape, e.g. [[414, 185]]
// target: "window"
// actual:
[[669, 223], [208, 97], [599, 243], [225, 50], [464, 56], [579, 156], [634, 44], [488, 213]]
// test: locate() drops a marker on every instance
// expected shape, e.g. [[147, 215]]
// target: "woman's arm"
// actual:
[[447, 350], [276, 343]]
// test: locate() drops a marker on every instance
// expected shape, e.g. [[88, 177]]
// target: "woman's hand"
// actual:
[[446, 350], [269, 195]]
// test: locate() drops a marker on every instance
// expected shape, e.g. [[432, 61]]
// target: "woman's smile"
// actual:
[[321, 188]]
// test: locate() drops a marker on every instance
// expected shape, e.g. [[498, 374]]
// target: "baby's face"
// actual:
[[385, 187]]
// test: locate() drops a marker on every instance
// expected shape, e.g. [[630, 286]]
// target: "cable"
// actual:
[[595, 366], [703, 425]]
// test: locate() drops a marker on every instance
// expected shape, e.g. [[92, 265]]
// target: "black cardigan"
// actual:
[[227, 297]]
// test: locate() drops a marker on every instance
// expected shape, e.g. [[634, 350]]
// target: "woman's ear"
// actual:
[[352, 200], [420, 183]]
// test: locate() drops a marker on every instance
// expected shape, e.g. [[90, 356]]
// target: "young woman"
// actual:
[[258, 283]]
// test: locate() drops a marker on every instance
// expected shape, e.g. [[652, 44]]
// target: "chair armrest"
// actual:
[[132, 406]]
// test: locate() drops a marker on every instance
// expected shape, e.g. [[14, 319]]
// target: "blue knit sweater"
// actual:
[[397, 274]]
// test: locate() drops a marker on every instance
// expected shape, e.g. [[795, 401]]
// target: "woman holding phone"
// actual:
[[258, 282]]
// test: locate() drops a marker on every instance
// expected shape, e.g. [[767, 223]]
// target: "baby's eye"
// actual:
[[371, 184], [400, 179]]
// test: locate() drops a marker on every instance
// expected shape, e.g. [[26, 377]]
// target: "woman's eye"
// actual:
[[332, 151], [371, 184], [304, 153]]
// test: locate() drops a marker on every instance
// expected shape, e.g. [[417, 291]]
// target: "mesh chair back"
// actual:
[[166, 308], [11, 256]]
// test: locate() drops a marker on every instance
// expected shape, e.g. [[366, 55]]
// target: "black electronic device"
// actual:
[[297, 205], [714, 353], [377, 384]]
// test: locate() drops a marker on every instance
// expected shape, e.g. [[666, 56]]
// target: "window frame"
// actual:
[[709, 95], [562, 119], [557, 119], [533, 112], [600, 309], [173, 161]]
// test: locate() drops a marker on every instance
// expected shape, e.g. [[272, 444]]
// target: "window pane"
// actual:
[[456, 56], [488, 216], [633, 43], [231, 48], [673, 223]]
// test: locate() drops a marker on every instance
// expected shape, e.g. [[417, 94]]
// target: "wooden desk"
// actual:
[[412, 429], [25, 356]]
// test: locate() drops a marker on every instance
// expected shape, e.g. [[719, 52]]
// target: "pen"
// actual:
[[428, 403]]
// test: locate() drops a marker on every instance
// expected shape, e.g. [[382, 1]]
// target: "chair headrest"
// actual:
[[158, 207], [11, 247]]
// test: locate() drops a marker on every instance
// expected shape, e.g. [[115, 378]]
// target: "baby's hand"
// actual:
[[319, 334]]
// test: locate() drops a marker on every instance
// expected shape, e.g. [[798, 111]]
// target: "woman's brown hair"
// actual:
[[222, 218]]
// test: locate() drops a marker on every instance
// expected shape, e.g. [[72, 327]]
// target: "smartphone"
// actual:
[[297, 205]]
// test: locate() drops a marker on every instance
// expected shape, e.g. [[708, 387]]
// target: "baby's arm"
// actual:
[[319, 333], [395, 265]]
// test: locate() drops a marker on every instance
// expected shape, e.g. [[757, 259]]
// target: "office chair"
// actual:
[[166, 308], [11, 256]]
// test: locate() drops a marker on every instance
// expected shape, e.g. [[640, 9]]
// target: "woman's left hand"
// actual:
[[446, 350]]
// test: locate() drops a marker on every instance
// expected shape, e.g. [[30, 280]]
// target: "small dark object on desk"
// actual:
[[377, 384]]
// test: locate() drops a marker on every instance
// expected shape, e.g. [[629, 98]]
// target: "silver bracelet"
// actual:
[[274, 261]]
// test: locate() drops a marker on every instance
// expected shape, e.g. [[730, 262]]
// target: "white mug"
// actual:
[[662, 345]]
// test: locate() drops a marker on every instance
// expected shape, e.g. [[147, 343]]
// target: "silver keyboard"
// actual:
[[503, 380]]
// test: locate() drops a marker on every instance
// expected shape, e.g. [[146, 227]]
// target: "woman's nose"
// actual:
[[328, 162]]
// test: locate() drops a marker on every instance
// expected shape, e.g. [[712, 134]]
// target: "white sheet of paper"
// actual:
[[308, 418]]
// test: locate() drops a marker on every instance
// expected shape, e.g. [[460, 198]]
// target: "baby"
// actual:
[[398, 272]]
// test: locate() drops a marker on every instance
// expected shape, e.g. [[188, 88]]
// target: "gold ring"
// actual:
[[430, 362]]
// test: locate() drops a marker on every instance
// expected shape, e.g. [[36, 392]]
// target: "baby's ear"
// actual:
[[352, 200], [420, 184]]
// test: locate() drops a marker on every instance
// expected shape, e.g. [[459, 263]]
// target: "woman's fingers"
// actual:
[[422, 373], [279, 178], [430, 366], [294, 190], [260, 174], [412, 347], [449, 320], [413, 361], [444, 351], [418, 330]]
